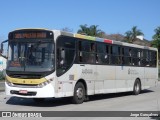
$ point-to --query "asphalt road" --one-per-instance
(148, 100)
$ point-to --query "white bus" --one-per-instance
(51, 63)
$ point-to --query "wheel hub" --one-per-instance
(79, 93)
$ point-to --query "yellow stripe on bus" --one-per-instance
(25, 81)
(85, 37)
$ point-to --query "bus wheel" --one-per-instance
(38, 100)
(137, 87)
(79, 93)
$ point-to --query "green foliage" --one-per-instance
(132, 34)
(91, 31)
(156, 38)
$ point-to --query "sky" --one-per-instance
(111, 16)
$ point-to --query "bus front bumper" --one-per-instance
(44, 92)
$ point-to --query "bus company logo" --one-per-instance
(132, 72)
(6, 114)
(87, 71)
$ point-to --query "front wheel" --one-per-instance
(79, 93)
(137, 87)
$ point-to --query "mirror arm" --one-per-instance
(1, 50)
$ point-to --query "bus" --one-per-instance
(45, 63)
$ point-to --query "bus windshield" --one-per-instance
(31, 56)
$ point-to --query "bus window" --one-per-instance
(65, 54)
(100, 48)
(153, 59)
(115, 57)
(85, 45)
(100, 53)
(92, 47)
(87, 51)
(145, 58)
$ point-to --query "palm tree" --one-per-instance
(91, 31)
(83, 29)
(94, 31)
(157, 31)
(132, 34)
(128, 36)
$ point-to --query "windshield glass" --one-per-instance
(31, 56)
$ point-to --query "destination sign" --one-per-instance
(30, 34)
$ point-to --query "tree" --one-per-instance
(156, 38)
(91, 31)
(132, 34)
(128, 36)
(83, 29)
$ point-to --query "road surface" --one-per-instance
(148, 100)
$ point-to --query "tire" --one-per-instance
(79, 93)
(137, 87)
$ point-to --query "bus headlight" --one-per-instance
(45, 83)
(8, 82)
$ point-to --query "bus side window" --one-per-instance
(92, 47)
(80, 51)
(92, 53)
(100, 53)
(115, 55)
(122, 54)
(153, 59)
(139, 57)
(86, 52)
(62, 55)
(119, 55)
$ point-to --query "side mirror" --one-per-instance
(1, 50)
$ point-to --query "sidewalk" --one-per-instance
(2, 86)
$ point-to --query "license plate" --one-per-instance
(23, 91)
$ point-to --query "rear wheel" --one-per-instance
(137, 87)
(79, 93)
